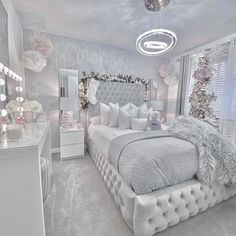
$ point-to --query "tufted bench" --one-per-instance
(154, 212)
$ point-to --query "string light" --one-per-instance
(5, 71)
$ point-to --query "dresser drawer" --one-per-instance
(67, 138)
(72, 150)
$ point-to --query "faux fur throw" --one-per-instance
(217, 156)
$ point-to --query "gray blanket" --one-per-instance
(217, 155)
(152, 160)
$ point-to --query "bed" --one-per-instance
(152, 212)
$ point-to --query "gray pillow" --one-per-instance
(125, 118)
(139, 124)
(114, 114)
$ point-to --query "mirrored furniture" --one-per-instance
(21, 195)
(71, 132)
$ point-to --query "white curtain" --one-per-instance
(228, 105)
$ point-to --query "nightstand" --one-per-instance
(71, 143)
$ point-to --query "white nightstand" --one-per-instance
(71, 143)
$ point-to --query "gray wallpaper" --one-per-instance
(82, 56)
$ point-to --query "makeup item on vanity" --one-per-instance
(14, 132)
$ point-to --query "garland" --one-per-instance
(86, 77)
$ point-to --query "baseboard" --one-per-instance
(55, 150)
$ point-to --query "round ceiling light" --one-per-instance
(155, 42)
(156, 5)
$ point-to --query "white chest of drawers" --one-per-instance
(71, 143)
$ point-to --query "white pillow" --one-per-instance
(114, 114)
(95, 120)
(104, 114)
(125, 118)
(139, 124)
(143, 111)
(134, 107)
(126, 107)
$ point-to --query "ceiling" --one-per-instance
(119, 22)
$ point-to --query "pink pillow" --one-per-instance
(95, 120)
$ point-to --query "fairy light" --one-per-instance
(5, 71)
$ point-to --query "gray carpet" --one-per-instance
(80, 205)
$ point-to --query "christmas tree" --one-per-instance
(202, 95)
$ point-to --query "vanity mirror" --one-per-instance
(69, 98)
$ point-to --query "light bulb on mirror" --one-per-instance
(18, 78)
(3, 97)
(1, 67)
(5, 70)
(4, 113)
(20, 109)
(2, 82)
(19, 99)
(19, 89)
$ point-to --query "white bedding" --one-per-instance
(102, 136)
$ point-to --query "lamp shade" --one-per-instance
(157, 105)
(69, 104)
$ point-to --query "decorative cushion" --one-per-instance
(125, 117)
(114, 114)
(95, 120)
(144, 111)
(105, 114)
(139, 124)
(126, 107)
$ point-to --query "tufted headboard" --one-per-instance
(114, 92)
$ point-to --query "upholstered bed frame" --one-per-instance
(151, 213)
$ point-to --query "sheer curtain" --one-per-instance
(223, 63)
(228, 104)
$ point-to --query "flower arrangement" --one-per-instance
(42, 45)
(36, 59)
(83, 85)
(168, 74)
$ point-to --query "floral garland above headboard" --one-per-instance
(86, 77)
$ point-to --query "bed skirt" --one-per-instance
(154, 212)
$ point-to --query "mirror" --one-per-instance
(69, 98)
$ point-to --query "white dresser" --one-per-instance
(71, 143)
(21, 202)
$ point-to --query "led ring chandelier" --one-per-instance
(147, 43)
(155, 47)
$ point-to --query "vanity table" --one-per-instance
(21, 202)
